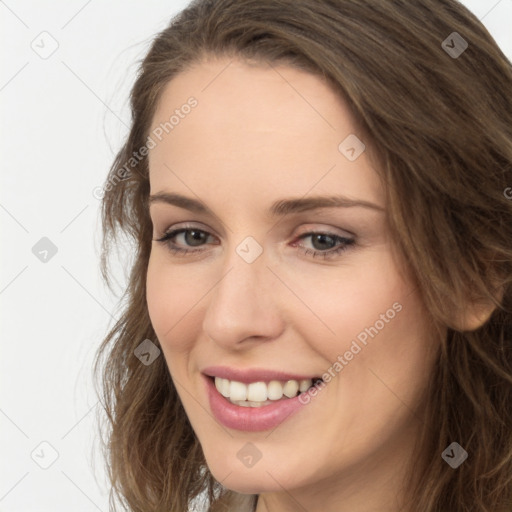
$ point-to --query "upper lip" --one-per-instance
(248, 375)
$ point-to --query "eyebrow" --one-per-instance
(278, 209)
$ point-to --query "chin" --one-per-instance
(250, 483)
(262, 477)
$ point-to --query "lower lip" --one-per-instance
(250, 419)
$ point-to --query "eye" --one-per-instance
(326, 245)
(336, 244)
(193, 236)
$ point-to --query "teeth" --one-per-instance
(247, 403)
(274, 390)
(223, 387)
(292, 386)
(237, 390)
(305, 384)
(257, 394)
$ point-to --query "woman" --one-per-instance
(318, 315)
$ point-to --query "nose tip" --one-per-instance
(243, 304)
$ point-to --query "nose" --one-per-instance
(244, 305)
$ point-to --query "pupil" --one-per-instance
(195, 236)
(322, 239)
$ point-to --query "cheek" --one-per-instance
(373, 318)
(171, 295)
(343, 303)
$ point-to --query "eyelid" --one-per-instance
(162, 217)
(187, 225)
(310, 228)
(323, 228)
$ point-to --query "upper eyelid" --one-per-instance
(310, 227)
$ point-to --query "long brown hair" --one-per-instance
(441, 127)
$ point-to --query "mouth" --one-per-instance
(255, 400)
(261, 393)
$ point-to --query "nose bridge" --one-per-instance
(242, 304)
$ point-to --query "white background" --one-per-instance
(62, 120)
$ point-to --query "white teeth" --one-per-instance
(274, 390)
(291, 387)
(257, 394)
(222, 386)
(237, 390)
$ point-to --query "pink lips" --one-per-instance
(249, 419)
(251, 374)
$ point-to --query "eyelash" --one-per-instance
(346, 242)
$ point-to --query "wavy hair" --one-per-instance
(441, 129)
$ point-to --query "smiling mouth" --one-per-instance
(260, 394)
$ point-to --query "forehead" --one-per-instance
(256, 125)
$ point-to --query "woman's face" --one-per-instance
(279, 284)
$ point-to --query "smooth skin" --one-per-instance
(260, 134)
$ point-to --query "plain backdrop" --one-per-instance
(67, 68)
